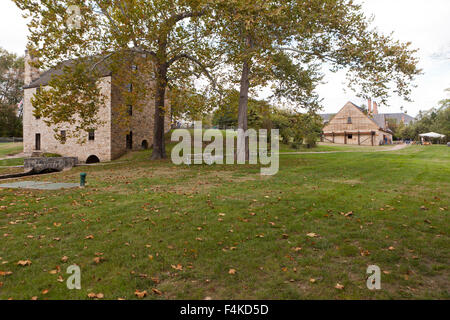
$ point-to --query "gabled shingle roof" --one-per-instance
(45, 77)
(399, 117)
(379, 119)
(327, 116)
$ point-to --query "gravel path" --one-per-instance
(394, 148)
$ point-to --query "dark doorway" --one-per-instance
(38, 141)
(92, 159)
(144, 144)
(130, 140)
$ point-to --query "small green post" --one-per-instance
(82, 179)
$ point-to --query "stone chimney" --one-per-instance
(369, 106)
(31, 72)
(375, 108)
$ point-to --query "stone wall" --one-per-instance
(110, 138)
(41, 164)
(140, 123)
(100, 147)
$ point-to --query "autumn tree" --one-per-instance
(93, 32)
(249, 31)
(285, 42)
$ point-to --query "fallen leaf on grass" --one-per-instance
(177, 267)
(339, 286)
(64, 259)
(232, 271)
(93, 295)
(391, 248)
(5, 273)
(156, 291)
(140, 294)
(89, 237)
(98, 260)
(155, 280)
(24, 263)
(44, 291)
(312, 235)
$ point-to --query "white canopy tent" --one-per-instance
(432, 135)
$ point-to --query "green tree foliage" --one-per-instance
(226, 114)
(435, 120)
(297, 128)
(11, 83)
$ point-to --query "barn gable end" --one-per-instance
(352, 126)
(359, 120)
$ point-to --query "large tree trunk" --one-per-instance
(159, 148)
(243, 106)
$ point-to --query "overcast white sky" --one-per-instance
(426, 23)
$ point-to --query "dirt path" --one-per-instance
(394, 148)
(14, 156)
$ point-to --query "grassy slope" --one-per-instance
(141, 209)
(10, 149)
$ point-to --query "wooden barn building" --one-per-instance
(351, 125)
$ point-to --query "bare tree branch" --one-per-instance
(309, 53)
(196, 61)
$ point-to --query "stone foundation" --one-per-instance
(41, 164)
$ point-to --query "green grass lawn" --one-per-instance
(143, 225)
(7, 149)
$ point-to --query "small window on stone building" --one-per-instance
(349, 120)
(350, 136)
(134, 67)
(91, 135)
(130, 87)
(63, 136)
(130, 110)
